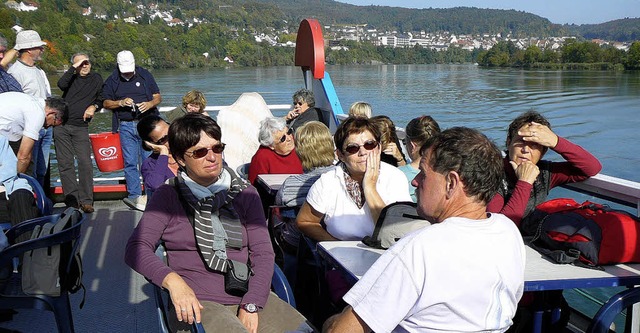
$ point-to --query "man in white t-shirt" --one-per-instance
(464, 273)
(21, 118)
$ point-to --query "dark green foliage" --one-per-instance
(572, 55)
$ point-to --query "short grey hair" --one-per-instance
(79, 54)
(3, 41)
(267, 127)
(304, 95)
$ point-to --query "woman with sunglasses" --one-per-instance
(276, 154)
(160, 165)
(348, 199)
(304, 110)
(209, 220)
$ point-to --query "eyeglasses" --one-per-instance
(202, 152)
(298, 103)
(57, 119)
(284, 137)
(354, 148)
(163, 140)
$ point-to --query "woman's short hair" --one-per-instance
(267, 127)
(362, 109)
(522, 120)
(195, 97)
(354, 125)
(314, 145)
(304, 95)
(185, 131)
(421, 129)
(146, 125)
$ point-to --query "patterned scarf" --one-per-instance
(354, 189)
(216, 223)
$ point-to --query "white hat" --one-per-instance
(28, 39)
(126, 61)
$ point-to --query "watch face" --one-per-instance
(251, 308)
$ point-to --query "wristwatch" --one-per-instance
(250, 307)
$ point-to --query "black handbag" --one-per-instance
(236, 279)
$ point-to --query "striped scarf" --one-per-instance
(216, 223)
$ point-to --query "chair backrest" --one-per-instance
(281, 287)
(64, 236)
(163, 299)
(243, 170)
(42, 201)
(608, 312)
(58, 304)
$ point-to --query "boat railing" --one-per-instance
(220, 107)
(621, 191)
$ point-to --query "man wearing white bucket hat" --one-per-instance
(34, 82)
(131, 93)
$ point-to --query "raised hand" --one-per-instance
(538, 133)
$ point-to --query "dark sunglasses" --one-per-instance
(284, 137)
(298, 103)
(354, 148)
(162, 140)
(202, 152)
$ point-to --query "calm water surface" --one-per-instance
(595, 109)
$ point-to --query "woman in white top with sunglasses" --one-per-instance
(349, 199)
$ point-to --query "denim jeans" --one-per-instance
(133, 156)
(40, 155)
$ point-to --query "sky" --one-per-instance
(557, 11)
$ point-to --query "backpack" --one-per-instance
(586, 234)
(395, 221)
(44, 270)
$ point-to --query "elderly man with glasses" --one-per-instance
(21, 118)
(82, 90)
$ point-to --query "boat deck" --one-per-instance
(118, 299)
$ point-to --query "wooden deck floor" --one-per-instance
(118, 299)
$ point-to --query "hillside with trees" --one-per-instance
(219, 29)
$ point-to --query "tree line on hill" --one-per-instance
(227, 28)
(572, 55)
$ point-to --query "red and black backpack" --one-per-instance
(586, 234)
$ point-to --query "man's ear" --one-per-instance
(453, 183)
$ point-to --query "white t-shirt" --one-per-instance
(20, 114)
(32, 79)
(459, 275)
(344, 220)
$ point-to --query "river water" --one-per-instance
(595, 109)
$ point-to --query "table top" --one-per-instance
(272, 182)
(355, 258)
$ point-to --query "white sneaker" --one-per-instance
(138, 203)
